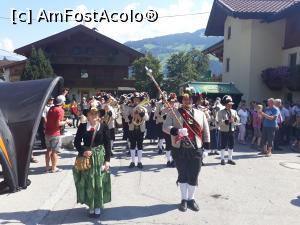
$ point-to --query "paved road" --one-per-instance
(257, 191)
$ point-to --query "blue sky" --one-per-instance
(14, 36)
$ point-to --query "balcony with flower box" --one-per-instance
(276, 78)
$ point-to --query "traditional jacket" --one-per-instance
(205, 110)
(144, 119)
(126, 109)
(222, 118)
(159, 112)
(85, 134)
(123, 107)
(199, 117)
(111, 123)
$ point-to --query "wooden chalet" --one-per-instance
(87, 60)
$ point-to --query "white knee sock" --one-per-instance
(97, 211)
(169, 157)
(222, 154)
(230, 152)
(205, 153)
(132, 153)
(184, 191)
(140, 155)
(111, 144)
(191, 192)
(160, 143)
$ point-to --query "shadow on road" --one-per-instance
(296, 202)
(41, 170)
(79, 215)
(117, 171)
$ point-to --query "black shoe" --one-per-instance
(211, 153)
(140, 165)
(216, 153)
(173, 164)
(231, 162)
(168, 164)
(223, 162)
(160, 151)
(97, 216)
(191, 204)
(202, 164)
(132, 165)
(183, 206)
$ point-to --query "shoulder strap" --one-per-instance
(94, 135)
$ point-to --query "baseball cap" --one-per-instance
(60, 100)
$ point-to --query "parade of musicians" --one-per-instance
(93, 131)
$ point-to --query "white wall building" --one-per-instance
(257, 36)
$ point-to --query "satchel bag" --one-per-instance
(83, 163)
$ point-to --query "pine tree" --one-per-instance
(38, 66)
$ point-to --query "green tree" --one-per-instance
(143, 82)
(185, 66)
(201, 63)
(37, 66)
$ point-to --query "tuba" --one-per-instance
(112, 102)
(136, 118)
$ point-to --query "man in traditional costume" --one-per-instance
(159, 116)
(189, 132)
(227, 120)
(109, 117)
(137, 126)
(172, 99)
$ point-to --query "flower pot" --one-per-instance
(293, 83)
(274, 84)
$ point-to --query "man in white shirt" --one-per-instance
(41, 129)
(277, 140)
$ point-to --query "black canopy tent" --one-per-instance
(21, 107)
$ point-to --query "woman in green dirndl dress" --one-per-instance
(93, 186)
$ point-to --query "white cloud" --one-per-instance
(134, 31)
(7, 44)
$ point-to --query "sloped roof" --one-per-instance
(244, 9)
(9, 64)
(3, 63)
(76, 29)
(258, 6)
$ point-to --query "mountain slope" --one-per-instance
(163, 46)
